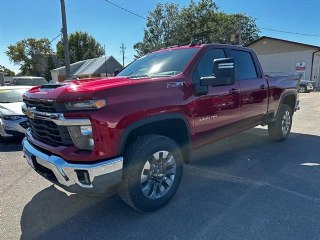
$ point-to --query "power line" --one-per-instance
(295, 33)
(268, 29)
(124, 9)
(55, 38)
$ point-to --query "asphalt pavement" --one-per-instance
(243, 187)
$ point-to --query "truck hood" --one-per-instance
(11, 108)
(79, 89)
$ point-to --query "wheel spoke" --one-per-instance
(169, 161)
(146, 186)
(171, 171)
(153, 191)
(167, 183)
(162, 190)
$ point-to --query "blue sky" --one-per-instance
(111, 26)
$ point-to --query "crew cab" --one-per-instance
(131, 134)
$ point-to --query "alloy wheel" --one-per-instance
(158, 175)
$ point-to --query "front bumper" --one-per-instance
(99, 178)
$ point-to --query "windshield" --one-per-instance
(160, 64)
(11, 95)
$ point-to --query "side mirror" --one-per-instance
(223, 73)
(116, 72)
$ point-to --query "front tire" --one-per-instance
(153, 167)
(280, 129)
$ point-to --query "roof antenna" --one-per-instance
(199, 42)
(193, 43)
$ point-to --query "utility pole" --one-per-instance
(122, 50)
(65, 39)
(105, 59)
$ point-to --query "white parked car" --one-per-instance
(28, 81)
(13, 123)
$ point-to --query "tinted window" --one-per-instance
(160, 64)
(205, 66)
(245, 68)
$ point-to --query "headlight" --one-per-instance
(86, 105)
(82, 137)
(11, 117)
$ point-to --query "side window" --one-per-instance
(206, 63)
(245, 67)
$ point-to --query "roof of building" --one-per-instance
(86, 67)
(90, 66)
(282, 40)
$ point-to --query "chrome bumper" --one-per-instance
(101, 178)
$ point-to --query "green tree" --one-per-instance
(82, 46)
(50, 65)
(31, 55)
(7, 71)
(200, 20)
(161, 29)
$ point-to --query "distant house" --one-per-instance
(96, 67)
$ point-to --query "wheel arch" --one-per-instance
(172, 125)
(289, 98)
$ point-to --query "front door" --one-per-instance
(219, 107)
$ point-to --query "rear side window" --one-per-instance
(205, 65)
(245, 68)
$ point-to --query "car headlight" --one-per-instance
(11, 117)
(86, 105)
(82, 137)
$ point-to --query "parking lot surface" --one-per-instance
(243, 187)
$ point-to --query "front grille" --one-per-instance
(50, 133)
(24, 124)
(41, 105)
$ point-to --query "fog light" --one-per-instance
(82, 137)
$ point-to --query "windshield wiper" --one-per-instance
(6, 102)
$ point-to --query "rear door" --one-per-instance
(253, 86)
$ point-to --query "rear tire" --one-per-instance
(153, 167)
(280, 129)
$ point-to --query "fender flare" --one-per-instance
(157, 118)
(283, 96)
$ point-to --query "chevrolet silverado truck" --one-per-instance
(131, 134)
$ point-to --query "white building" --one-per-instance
(96, 67)
(279, 57)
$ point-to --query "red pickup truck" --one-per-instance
(131, 134)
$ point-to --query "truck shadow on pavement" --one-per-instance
(221, 177)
